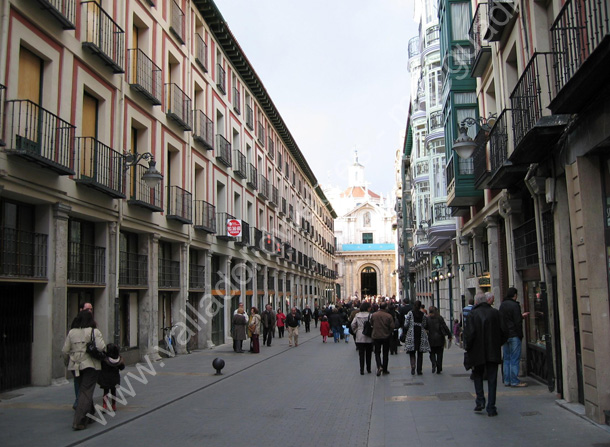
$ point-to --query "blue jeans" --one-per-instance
(512, 357)
(337, 334)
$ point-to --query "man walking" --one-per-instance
(383, 325)
(307, 316)
(268, 318)
(484, 337)
(512, 324)
(292, 322)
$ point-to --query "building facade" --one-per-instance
(132, 133)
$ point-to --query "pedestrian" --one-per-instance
(512, 324)
(268, 319)
(383, 325)
(465, 311)
(457, 331)
(292, 321)
(416, 337)
(75, 324)
(324, 328)
(364, 343)
(254, 330)
(307, 316)
(239, 330)
(83, 365)
(345, 333)
(437, 331)
(335, 321)
(316, 315)
(110, 375)
(280, 319)
(483, 338)
(394, 337)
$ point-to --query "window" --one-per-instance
(367, 238)
(460, 20)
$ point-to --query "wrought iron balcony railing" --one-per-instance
(481, 47)
(205, 216)
(201, 52)
(100, 167)
(479, 159)
(176, 26)
(86, 264)
(236, 100)
(133, 269)
(290, 212)
(140, 194)
(203, 130)
(196, 277)
(223, 151)
(261, 134)
(144, 76)
(178, 106)
(103, 36)
(256, 239)
(240, 168)
(263, 187)
(252, 181)
(249, 117)
(63, 10)
(221, 226)
(179, 205)
(169, 274)
(498, 141)
(39, 136)
(275, 197)
(283, 208)
(244, 239)
(221, 79)
(548, 237)
(268, 243)
(270, 148)
(23, 254)
(526, 245)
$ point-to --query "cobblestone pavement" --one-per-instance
(309, 395)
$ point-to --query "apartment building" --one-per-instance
(132, 134)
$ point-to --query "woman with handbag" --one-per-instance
(81, 361)
(437, 331)
(416, 340)
(364, 343)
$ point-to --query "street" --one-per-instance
(309, 395)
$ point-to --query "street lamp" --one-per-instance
(151, 176)
(464, 145)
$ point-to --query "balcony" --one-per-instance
(179, 205)
(240, 169)
(263, 187)
(435, 122)
(275, 197)
(535, 131)
(277, 247)
(261, 134)
(144, 76)
(169, 274)
(203, 131)
(504, 173)
(133, 270)
(249, 117)
(252, 181)
(86, 264)
(413, 47)
(176, 26)
(581, 45)
(205, 216)
(290, 213)
(201, 53)
(223, 151)
(178, 106)
(268, 246)
(23, 254)
(282, 211)
(461, 192)
(501, 17)
(38, 135)
(221, 226)
(196, 277)
(482, 49)
(244, 239)
(270, 148)
(479, 159)
(221, 79)
(100, 167)
(63, 10)
(236, 100)
(103, 36)
(139, 192)
(256, 239)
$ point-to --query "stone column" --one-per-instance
(494, 250)
(227, 298)
(507, 208)
(179, 302)
(148, 329)
(205, 334)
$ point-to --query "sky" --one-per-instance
(336, 71)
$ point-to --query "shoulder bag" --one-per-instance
(368, 327)
(92, 348)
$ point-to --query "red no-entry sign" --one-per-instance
(234, 227)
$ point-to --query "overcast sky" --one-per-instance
(337, 72)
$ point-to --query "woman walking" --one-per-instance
(280, 319)
(416, 324)
(364, 343)
(83, 365)
(437, 331)
(254, 330)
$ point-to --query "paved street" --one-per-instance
(310, 395)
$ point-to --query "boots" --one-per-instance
(105, 401)
(412, 359)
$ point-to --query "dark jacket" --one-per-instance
(293, 320)
(307, 315)
(437, 329)
(268, 319)
(484, 336)
(335, 320)
(383, 324)
(109, 377)
(512, 318)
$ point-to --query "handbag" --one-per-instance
(92, 348)
(368, 327)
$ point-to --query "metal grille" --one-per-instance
(103, 36)
(178, 106)
(548, 237)
(196, 276)
(22, 253)
(141, 194)
(203, 130)
(526, 247)
(223, 150)
(177, 21)
(180, 205)
(201, 52)
(169, 273)
(133, 269)
(86, 264)
(100, 167)
(144, 76)
(205, 216)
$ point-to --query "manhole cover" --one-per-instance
(530, 413)
(454, 396)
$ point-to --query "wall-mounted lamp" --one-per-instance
(464, 145)
(151, 176)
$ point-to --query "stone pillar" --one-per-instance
(179, 302)
(148, 330)
(477, 247)
(113, 320)
(507, 208)
(491, 222)
(205, 334)
(227, 298)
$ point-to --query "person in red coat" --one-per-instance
(324, 329)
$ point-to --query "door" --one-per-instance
(28, 115)
(368, 281)
(89, 130)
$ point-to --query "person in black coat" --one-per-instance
(110, 376)
(484, 338)
(437, 331)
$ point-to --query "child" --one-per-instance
(346, 333)
(109, 376)
(324, 328)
